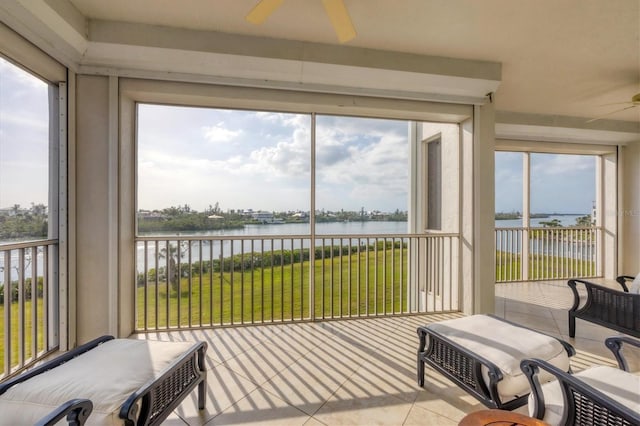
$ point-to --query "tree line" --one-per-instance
(23, 223)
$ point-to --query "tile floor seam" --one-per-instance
(259, 388)
(321, 405)
(426, 409)
(332, 394)
(267, 378)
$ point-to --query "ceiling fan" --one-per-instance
(635, 101)
(335, 9)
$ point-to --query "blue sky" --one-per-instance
(261, 160)
(24, 138)
(559, 183)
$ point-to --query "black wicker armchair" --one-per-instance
(597, 396)
(482, 353)
(616, 309)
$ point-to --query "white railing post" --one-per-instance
(526, 213)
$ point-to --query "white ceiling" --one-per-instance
(558, 57)
(564, 57)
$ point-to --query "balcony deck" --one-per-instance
(359, 371)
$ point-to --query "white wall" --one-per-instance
(447, 279)
(450, 152)
(630, 211)
(92, 209)
(483, 298)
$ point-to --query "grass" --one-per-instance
(509, 267)
(360, 283)
(28, 330)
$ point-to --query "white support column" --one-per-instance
(526, 213)
(312, 221)
(56, 299)
(467, 215)
(63, 239)
(414, 213)
(608, 212)
(112, 262)
(484, 209)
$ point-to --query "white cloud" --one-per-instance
(20, 77)
(268, 164)
(25, 121)
(372, 173)
(220, 134)
(546, 164)
(286, 158)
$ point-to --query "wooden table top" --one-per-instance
(496, 417)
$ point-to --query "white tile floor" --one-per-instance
(359, 372)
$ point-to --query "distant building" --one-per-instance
(151, 216)
(263, 217)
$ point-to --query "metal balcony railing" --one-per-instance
(195, 282)
(28, 323)
(529, 254)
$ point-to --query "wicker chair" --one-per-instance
(482, 353)
(597, 396)
(116, 381)
(612, 308)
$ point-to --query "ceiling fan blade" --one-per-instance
(262, 10)
(340, 19)
(611, 113)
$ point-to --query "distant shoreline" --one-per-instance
(512, 216)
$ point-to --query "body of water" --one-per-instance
(565, 220)
(325, 228)
(276, 230)
(269, 237)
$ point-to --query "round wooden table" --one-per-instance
(496, 417)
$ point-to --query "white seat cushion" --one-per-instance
(618, 384)
(635, 285)
(107, 375)
(505, 345)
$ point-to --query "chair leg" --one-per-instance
(202, 394)
(572, 325)
(420, 372)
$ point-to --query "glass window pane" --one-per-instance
(508, 189)
(562, 189)
(24, 154)
(207, 170)
(361, 175)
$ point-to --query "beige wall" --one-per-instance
(449, 135)
(630, 214)
(483, 298)
(92, 207)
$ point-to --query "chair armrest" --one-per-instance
(622, 280)
(76, 411)
(589, 285)
(155, 400)
(616, 343)
(573, 284)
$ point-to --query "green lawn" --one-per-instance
(345, 285)
(508, 267)
(28, 331)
